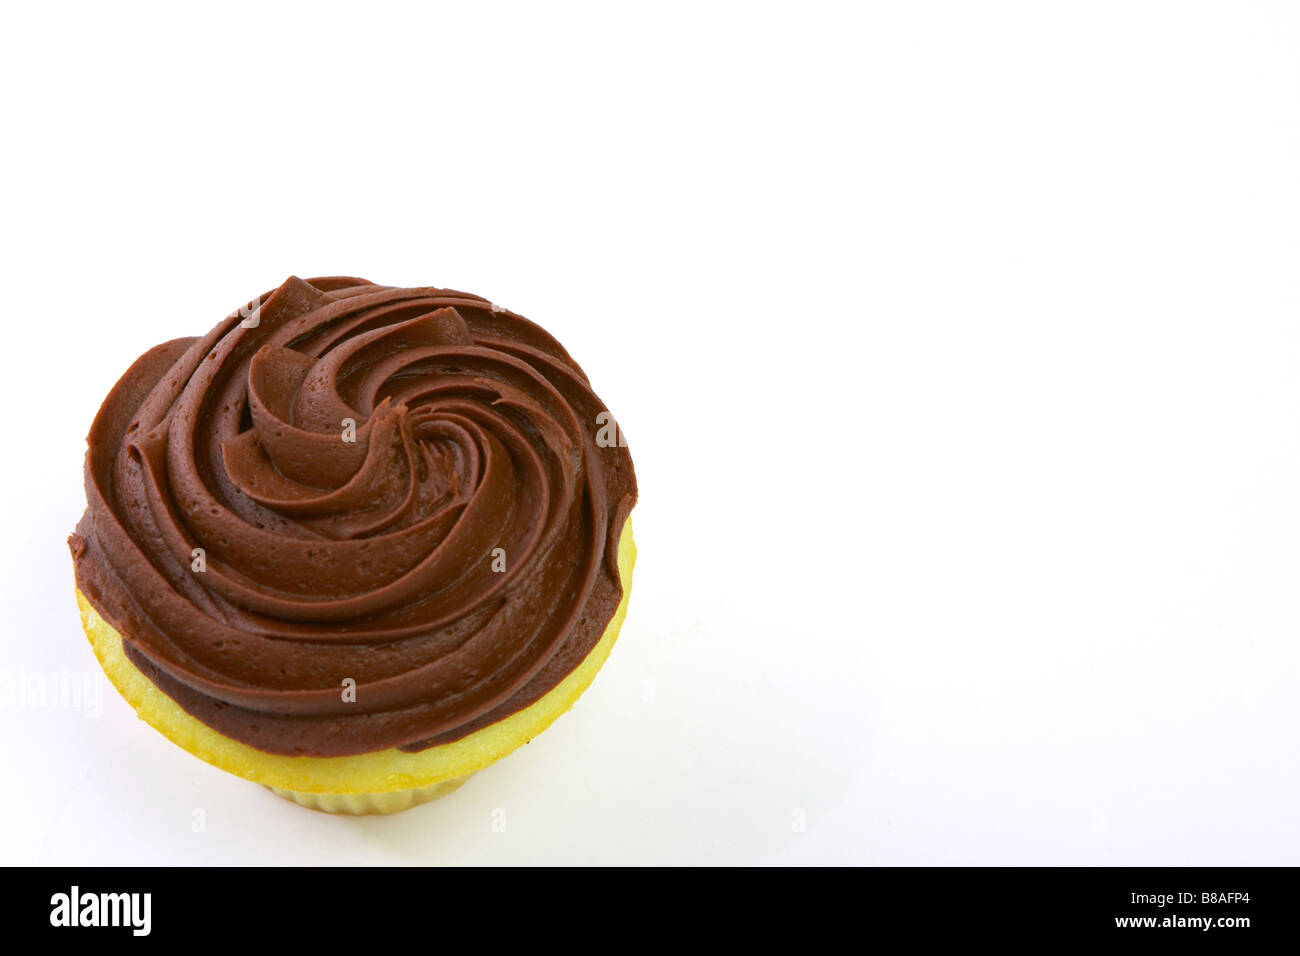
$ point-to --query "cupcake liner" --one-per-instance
(363, 804)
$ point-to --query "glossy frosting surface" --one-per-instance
(410, 490)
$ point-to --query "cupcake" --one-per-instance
(357, 542)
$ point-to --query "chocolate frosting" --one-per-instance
(453, 551)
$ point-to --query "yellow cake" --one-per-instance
(383, 782)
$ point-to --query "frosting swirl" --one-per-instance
(410, 489)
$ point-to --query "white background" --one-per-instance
(957, 347)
